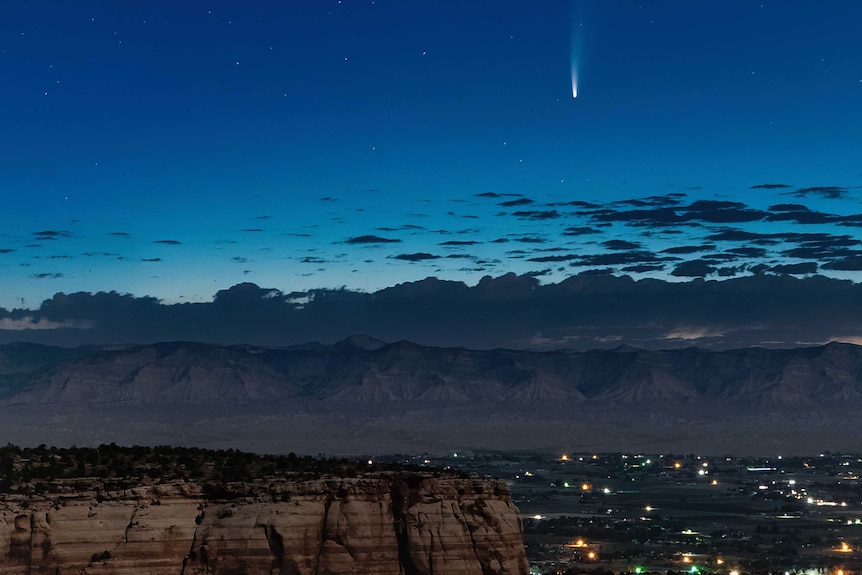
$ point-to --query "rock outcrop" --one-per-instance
(387, 524)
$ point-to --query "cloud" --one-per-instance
(720, 258)
(574, 203)
(694, 333)
(580, 231)
(735, 235)
(42, 276)
(561, 258)
(52, 234)
(748, 252)
(168, 242)
(653, 201)
(693, 269)
(621, 245)
(720, 212)
(850, 263)
(29, 323)
(371, 240)
(659, 211)
(529, 240)
(787, 208)
(620, 258)
(796, 269)
(415, 257)
(459, 243)
(597, 272)
(643, 268)
(821, 246)
(401, 228)
(828, 192)
(650, 217)
(681, 250)
(537, 215)
(802, 216)
(729, 271)
(518, 202)
(506, 311)
(769, 186)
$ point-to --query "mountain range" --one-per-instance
(403, 395)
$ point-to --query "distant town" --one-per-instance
(644, 513)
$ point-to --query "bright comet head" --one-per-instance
(574, 83)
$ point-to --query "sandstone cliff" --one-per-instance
(386, 524)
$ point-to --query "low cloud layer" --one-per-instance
(585, 311)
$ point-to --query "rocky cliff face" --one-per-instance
(407, 525)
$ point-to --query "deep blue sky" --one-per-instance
(174, 148)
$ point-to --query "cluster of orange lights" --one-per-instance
(845, 548)
(580, 544)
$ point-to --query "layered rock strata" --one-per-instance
(406, 525)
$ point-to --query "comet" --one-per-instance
(574, 82)
(575, 55)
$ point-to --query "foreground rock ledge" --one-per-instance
(388, 524)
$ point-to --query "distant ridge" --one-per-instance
(360, 341)
(365, 370)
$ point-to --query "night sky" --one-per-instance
(175, 149)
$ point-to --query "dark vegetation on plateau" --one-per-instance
(43, 470)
